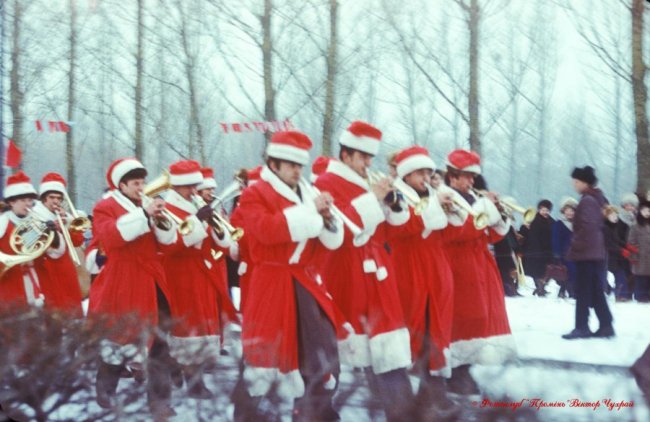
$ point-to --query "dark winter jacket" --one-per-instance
(588, 235)
(562, 235)
(640, 238)
(538, 246)
(615, 241)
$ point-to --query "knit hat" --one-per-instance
(568, 202)
(361, 136)
(209, 181)
(52, 182)
(290, 146)
(464, 160)
(630, 198)
(413, 158)
(585, 174)
(119, 168)
(185, 173)
(19, 184)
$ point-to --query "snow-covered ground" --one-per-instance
(549, 369)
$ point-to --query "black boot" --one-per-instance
(196, 388)
(246, 406)
(462, 383)
(108, 376)
(578, 333)
(432, 401)
(396, 395)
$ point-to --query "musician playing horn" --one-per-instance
(425, 281)
(480, 331)
(132, 282)
(61, 283)
(197, 290)
(22, 283)
(290, 323)
(360, 275)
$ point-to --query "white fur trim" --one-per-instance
(4, 222)
(198, 233)
(288, 153)
(123, 168)
(382, 273)
(280, 187)
(354, 350)
(445, 371)
(120, 354)
(303, 222)
(194, 350)
(343, 171)
(332, 239)
(165, 237)
(474, 168)
(243, 267)
(18, 189)
(433, 216)
(30, 277)
(51, 187)
(56, 253)
(260, 380)
(133, 225)
(225, 241)
(484, 205)
(186, 179)
(397, 218)
(485, 351)
(390, 350)
(369, 266)
(502, 227)
(362, 143)
(233, 251)
(415, 162)
(91, 263)
(207, 183)
(368, 207)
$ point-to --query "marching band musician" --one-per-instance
(360, 275)
(480, 331)
(425, 280)
(132, 282)
(21, 284)
(196, 288)
(290, 325)
(61, 283)
(206, 189)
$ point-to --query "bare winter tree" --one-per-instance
(72, 102)
(330, 84)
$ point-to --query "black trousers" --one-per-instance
(590, 278)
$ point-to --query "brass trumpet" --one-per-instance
(354, 229)
(219, 222)
(164, 222)
(418, 204)
(481, 219)
(507, 206)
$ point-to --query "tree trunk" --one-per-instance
(640, 94)
(139, 65)
(330, 84)
(473, 97)
(69, 137)
(267, 62)
(17, 95)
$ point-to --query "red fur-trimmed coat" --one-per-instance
(361, 277)
(283, 233)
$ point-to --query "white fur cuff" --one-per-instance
(390, 350)
(368, 207)
(133, 224)
(304, 223)
(198, 233)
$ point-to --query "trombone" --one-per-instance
(509, 207)
(68, 240)
(78, 222)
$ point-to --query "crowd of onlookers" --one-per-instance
(543, 244)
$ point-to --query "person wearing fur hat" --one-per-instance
(22, 284)
(615, 240)
(361, 276)
(588, 251)
(629, 205)
(61, 285)
(200, 301)
(480, 331)
(562, 234)
(639, 244)
(537, 246)
(132, 282)
(291, 324)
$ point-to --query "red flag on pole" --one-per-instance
(39, 126)
(13, 154)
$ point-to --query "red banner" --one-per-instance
(261, 127)
(52, 126)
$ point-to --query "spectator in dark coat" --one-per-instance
(615, 241)
(538, 247)
(590, 255)
(561, 238)
(639, 241)
(504, 251)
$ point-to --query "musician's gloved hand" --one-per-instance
(100, 260)
(204, 213)
(50, 226)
